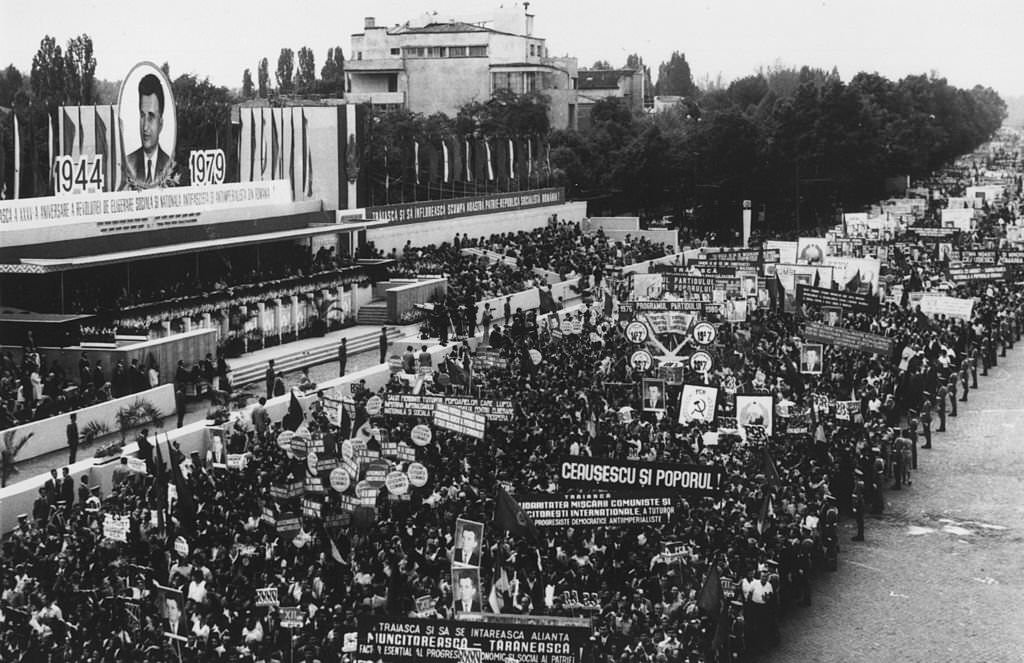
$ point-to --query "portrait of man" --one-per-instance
(654, 395)
(173, 619)
(468, 538)
(833, 316)
(466, 590)
(810, 358)
(148, 127)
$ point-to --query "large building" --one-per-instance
(597, 84)
(431, 65)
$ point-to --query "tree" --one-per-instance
(263, 75)
(305, 78)
(48, 75)
(11, 82)
(203, 116)
(601, 64)
(635, 62)
(285, 67)
(80, 68)
(332, 74)
(248, 88)
(674, 77)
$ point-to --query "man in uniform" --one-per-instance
(342, 358)
(941, 394)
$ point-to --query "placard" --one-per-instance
(115, 527)
(291, 616)
(967, 273)
(422, 405)
(266, 597)
(595, 510)
(421, 435)
(848, 301)
(755, 410)
(397, 483)
(418, 474)
(951, 307)
(536, 640)
(459, 421)
(847, 338)
(639, 477)
(697, 403)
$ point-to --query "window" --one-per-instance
(359, 55)
(392, 82)
(456, 51)
(530, 81)
(435, 51)
(533, 50)
(413, 51)
(477, 51)
(500, 81)
(396, 51)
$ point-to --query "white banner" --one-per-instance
(951, 307)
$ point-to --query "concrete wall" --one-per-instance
(386, 238)
(402, 298)
(17, 498)
(608, 223)
(49, 435)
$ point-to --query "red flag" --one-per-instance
(767, 511)
(68, 135)
(101, 147)
(510, 517)
(711, 599)
(770, 470)
(252, 144)
(273, 146)
(263, 144)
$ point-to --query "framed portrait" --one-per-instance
(466, 591)
(170, 605)
(148, 127)
(754, 410)
(832, 316)
(469, 540)
(811, 358)
(653, 395)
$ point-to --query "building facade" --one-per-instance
(433, 66)
(596, 84)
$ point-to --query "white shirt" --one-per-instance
(759, 592)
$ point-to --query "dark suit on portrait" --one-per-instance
(136, 164)
(474, 559)
(474, 606)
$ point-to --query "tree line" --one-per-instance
(296, 75)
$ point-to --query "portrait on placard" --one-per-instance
(170, 605)
(148, 128)
(697, 403)
(811, 358)
(748, 284)
(466, 590)
(469, 536)
(832, 315)
(754, 410)
(654, 395)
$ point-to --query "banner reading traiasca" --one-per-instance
(419, 641)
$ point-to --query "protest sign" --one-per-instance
(291, 616)
(951, 307)
(536, 640)
(421, 435)
(266, 596)
(137, 465)
(847, 338)
(974, 256)
(691, 288)
(697, 403)
(288, 524)
(397, 483)
(418, 474)
(237, 461)
(674, 551)
(639, 477)
(598, 510)
(489, 359)
(811, 250)
(115, 527)
(340, 479)
(422, 405)
(312, 507)
(754, 410)
(459, 421)
(967, 273)
(848, 301)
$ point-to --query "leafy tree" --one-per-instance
(285, 67)
(263, 75)
(634, 61)
(203, 116)
(674, 77)
(332, 74)
(601, 64)
(506, 113)
(80, 68)
(11, 81)
(248, 87)
(305, 78)
(48, 75)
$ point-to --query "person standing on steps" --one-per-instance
(270, 377)
(342, 358)
(383, 342)
(72, 437)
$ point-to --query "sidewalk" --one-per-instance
(196, 410)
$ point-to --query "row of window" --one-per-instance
(522, 82)
(441, 51)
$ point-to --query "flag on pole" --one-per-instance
(770, 470)
(529, 156)
(291, 157)
(711, 599)
(294, 417)
(273, 146)
(263, 143)
(252, 144)
(302, 123)
(100, 130)
(387, 178)
(81, 133)
(280, 152)
(767, 511)
(115, 160)
(17, 158)
(49, 149)
(510, 517)
(68, 133)
(309, 157)
(490, 161)
(444, 165)
(416, 159)
(469, 163)
(511, 159)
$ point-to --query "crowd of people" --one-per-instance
(69, 593)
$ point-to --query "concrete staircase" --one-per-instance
(254, 370)
(374, 313)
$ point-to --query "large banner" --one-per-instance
(639, 478)
(421, 641)
(690, 288)
(459, 420)
(848, 301)
(965, 273)
(974, 256)
(755, 410)
(855, 274)
(411, 405)
(951, 307)
(598, 510)
(847, 338)
(456, 207)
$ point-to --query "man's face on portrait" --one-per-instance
(151, 122)
(467, 590)
(469, 542)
